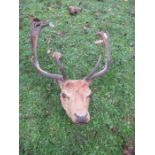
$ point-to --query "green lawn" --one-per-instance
(45, 129)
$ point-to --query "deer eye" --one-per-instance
(64, 96)
(89, 96)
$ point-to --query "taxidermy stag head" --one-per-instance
(75, 94)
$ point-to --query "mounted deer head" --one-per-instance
(75, 94)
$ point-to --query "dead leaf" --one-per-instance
(129, 149)
(73, 10)
(62, 33)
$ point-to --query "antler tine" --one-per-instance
(101, 73)
(57, 57)
(94, 69)
(36, 28)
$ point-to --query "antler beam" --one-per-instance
(94, 73)
(36, 28)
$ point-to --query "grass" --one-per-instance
(44, 127)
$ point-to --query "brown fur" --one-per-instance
(75, 97)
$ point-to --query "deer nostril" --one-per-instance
(81, 119)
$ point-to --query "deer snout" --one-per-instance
(82, 118)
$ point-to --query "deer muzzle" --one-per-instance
(82, 119)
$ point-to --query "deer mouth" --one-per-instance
(81, 123)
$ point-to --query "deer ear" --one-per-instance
(60, 83)
(89, 82)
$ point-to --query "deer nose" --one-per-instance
(81, 118)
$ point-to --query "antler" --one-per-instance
(36, 28)
(57, 56)
(101, 73)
